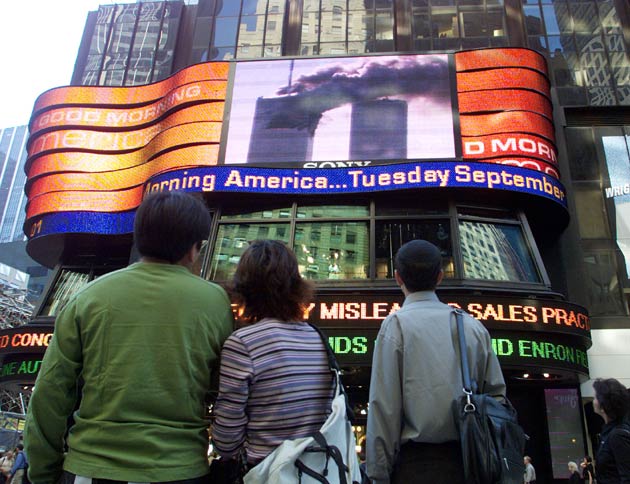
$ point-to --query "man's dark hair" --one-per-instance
(168, 224)
(613, 397)
(19, 447)
(268, 284)
(419, 263)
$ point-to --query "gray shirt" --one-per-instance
(530, 473)
(416, 375)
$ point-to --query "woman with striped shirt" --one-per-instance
(275, 380)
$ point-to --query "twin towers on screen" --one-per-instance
(378, 131)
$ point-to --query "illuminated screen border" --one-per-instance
(229, 107)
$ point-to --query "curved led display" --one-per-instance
(94, 151)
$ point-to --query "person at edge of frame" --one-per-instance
(612, 403)
(145, 341)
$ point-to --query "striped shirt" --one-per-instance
(275, 385)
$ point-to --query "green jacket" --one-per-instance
(143, 341)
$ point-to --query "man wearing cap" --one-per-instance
(416, 375)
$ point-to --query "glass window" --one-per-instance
(233, 239)
(496, 252)
(391, 235)
(574, 29)
(228, 8)
(589, 204)
(473, 24)
(333, 242)
(121, 38)
(605, 297)
(253, 7)
(347, 27)
(533, 20)
(557, 18)
(582, 155)
(444, 24)
(99, 39)
(273, 33)
(585, 17)
(339, 250)
(271, 213)
(608, 16)
(333, 211)
(225, 31)
(112, 78)
(67, 284)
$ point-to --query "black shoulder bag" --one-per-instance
(492, 441)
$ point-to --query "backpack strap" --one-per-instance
(334, 367)
(332, 452)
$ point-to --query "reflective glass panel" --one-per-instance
(67, 284)
(608, 16)
(582, 155)
(444, 24)
(589, 204)
(533, 20)
(333, 211)
(99, 39)
(557, 18)
(269, 214)
(126, 13)
(333, 26)
(473, 24)
(253, 7)
(359, 26)
(332, 250)
(225, 31)
(251, 30)
(273, 32)
(384, 25)
(496, 252)
(585, 17)
(228, 7)
(105, 13)
(391, 235)
(233, 239)
(604, 290)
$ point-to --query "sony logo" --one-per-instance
(335, 164)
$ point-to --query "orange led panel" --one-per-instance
(92, 116)
(520, 121)
(504, 100)
(509, 144)
(509, 78)
(106, 141)
(129, 96)
(474, 60)
(89, 201)
(204, 155)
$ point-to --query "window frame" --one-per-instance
(451, 213)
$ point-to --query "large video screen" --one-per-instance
(314, 112)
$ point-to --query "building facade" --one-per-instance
(13, 155)
(497, 129)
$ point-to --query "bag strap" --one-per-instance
(470, 386)
(334, 367)
(332, 452)
(463, 351)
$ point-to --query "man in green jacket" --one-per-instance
(133, 352)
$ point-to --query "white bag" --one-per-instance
(328, 457)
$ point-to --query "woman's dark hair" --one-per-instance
(588, 459)
(419, 263)
(268, 284)
(168, 224)
(613, 397)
